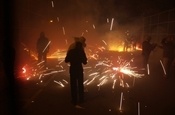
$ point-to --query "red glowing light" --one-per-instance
(24, 70)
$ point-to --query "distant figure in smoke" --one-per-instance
(126, 45)
(76, 57)
(134, 43)
(147, 47)
(42, 47)
(168, 54)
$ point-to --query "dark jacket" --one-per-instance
(168, 49)
(42, 42)
(76, 57)
(147, 47)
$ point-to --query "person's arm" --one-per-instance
(84, 58)
(67, 58)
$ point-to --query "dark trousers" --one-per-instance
(77, 87)
(145, 61)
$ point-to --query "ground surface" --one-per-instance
(151, 95)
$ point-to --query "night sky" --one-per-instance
(81, 17)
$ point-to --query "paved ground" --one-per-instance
(149, 95)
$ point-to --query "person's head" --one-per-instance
(83, 40)
(42, 34)
(76, 39)
(78, 45)
(80, 39)
(148, 38)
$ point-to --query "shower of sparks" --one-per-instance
(104, 70)
(128, 71)
(163, 67)
(52, 4)
(112, 21)
(47, 46)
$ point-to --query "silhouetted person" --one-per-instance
(134, 43)
(147, 47)
(126, 45)
(42, 47)
(168, 54)
(76, 57)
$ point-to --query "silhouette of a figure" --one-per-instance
(76, 57)
(126, 45)
(147, 47)
(42, 47)
(134, 43)
(168, 54)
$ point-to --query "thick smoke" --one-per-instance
(90, 18)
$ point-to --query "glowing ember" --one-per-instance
(24, 70)
(52, 3)
(64, 33)
(112, 21)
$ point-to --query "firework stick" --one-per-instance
(163, 67)
(138, 108)
(52, 4)
(121, 98)
(63, 31)
(148, 70)
(112, 23)
(46, 46)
